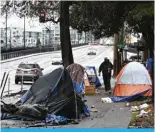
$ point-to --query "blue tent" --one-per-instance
(98, 83)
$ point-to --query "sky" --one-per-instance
(30, 24)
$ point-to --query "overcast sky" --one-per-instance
(15, 21)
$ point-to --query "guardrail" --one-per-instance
(5, 56)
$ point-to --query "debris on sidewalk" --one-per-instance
(127, 104)
(121, 108)
(142, 115)
(134, 108)
(93, 109)
(106, 100)
(143, 106)
(97, 92)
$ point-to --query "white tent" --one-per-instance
(135, 73)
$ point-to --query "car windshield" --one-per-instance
(26, 66)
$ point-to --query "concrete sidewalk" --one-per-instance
(108, 115)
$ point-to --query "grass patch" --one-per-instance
(142, 122)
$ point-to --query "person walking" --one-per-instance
(106, 68)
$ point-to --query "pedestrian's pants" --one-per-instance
(106, 80)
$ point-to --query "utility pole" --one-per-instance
(6, 29)
(24, 31)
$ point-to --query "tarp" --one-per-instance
(128, 98)
(76, 72)
(55, 93)
(97, 82)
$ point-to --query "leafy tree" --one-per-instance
(141, 19)
(102, 18)
(33, 9)
(105, 19)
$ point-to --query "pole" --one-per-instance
(24, 31)
(22, 84)
(44, 37)
(32, 79)
(78, 38)
(4, 85)
(74, 37)
(9, 86)
(3, 79)
(10, 38)
(91, 38)
(138, 52)
(49, 38)
(6, 28)
(85, 37)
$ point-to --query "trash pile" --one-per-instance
(142, 115)
(106, 100)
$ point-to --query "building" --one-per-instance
(47, 35)
(31, 37)
(14, 37)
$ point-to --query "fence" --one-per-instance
(5, 56)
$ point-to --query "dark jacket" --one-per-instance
(104, 67)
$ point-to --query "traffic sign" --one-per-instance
(120, 46)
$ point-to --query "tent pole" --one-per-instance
(76, 106)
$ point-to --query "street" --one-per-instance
(45, 60)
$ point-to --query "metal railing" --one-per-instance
(5, 56)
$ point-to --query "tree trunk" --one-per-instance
(149, 39)
(115, 55)
(66, 48)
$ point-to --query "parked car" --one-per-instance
(28, 72)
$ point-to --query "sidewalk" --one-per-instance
(108, 115)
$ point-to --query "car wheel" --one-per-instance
(16, 81)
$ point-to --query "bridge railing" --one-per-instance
(5, 56)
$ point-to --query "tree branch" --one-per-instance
(54, 21)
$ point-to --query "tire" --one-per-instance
(16, 81)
